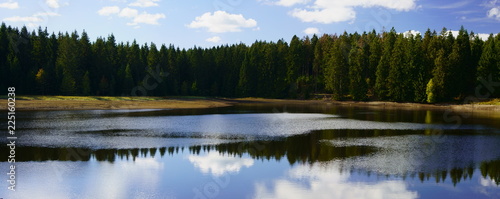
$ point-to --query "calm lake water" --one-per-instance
(255, 151)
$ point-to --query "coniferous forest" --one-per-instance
(389, 66)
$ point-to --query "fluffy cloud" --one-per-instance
(311, 31)
(218, 164)
(9, 5)
(453, 5)
(46, 14)
(326, 16)
(411, 32)
(53, 3)
(23, 19)
(144, 3)
(290, 2)
(109, 10)
(144, 17)
(483, 36)
(326, 11)
(494, 13)
(214, 39)
(221, 21)
(318, 181)
(128, 12)
(34, 20)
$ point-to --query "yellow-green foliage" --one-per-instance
(490, 102)
(88, 98)
(431, 96)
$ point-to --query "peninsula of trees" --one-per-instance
(386, 66)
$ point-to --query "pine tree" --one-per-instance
(419, 70)
(67, 64)
(337, 69)
(104, 86)
(86, 84)
(42, 81)
(374, 58)
(462, 73)
(398, 80)
(489, 59)
(381, 87)
(68, 84)
(295, 59)
(439, 79)
(357, 64)
(320, 61)
(247, 84)
(4, 51)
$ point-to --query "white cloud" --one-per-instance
(411, 32)
(23, 19)
(494, 13)
(311, 31)
(128, 12)
(53, 3)
(146, 18)
(326, 11)
(109, 10)
(9, 5)
(144, 3)
(218, 164)
(214, 39)
(483, 36)
(289, 3)
(326, 16)
(31, 25)
(34, 20)
(47, 14)
(317, 181)
(221, 21)
(454, 5)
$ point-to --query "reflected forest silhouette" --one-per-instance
(303, 149)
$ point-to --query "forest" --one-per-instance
(388, 66)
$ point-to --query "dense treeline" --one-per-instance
(369, 66)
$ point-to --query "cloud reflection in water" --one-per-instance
(317, 181)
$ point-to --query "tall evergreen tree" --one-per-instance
(337, 69)
(381, 87)
(357, 64)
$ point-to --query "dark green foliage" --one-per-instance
(369, 66)
(337, 67)
(489, 61)
(382, 73)
(357, 66)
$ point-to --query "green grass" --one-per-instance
(99, 98)
(85, 98)
(490, 102)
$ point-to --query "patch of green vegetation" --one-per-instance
(84, 98)
(490, 102)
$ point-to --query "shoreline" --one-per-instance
(110, 103)
(60, 105)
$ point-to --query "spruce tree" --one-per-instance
(381, 87)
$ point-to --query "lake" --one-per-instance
(255, 151)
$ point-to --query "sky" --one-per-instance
(207, 23)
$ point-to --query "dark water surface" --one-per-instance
(255, 151)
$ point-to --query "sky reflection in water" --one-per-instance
(309, 154)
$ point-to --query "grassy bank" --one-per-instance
(106, 102)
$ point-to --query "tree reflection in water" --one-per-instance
(310, 148)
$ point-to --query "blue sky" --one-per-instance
(206, 23)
